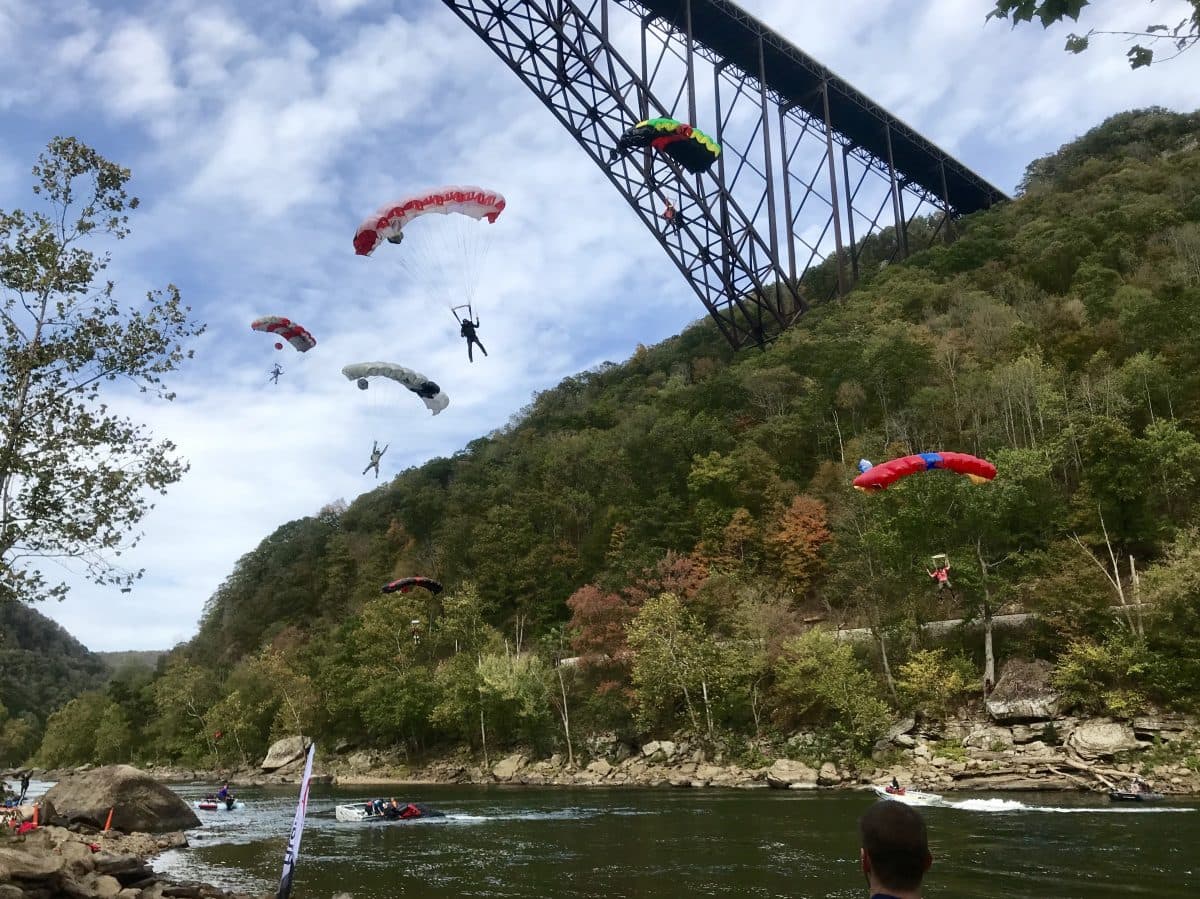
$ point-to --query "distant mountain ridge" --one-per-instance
(41, 665)
(136, 658)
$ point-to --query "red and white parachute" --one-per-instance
(443, 241)
(287, 329)
(389, 221)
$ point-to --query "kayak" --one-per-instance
(1127, 796)
(908, 797)
(358, 813)
(213, 805)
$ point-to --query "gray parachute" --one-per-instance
(429, 392)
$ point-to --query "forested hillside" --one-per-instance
(678, 523)
(41, 667)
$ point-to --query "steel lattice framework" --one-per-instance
(810, 167)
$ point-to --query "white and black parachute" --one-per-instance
(429, 392)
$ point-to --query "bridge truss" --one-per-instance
(810, 167)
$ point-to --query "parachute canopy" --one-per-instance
(293, 333)
(407, 583)
(879, 477)
(690, 147)
(429, 392)
(389, 221)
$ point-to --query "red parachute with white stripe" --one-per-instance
(442, 235)
(295, 334)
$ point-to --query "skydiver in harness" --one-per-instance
(275, 373)
(941, 574)
(673, 216)
(466, 328)
(376, 455)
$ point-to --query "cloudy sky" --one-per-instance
(260, 134)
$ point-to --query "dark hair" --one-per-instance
(893, 835)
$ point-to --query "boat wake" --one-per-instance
(934, 800)
(1011, 805)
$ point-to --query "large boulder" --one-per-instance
(139, 803)
(786, 774)
(284, 752)
(507, 767)
(1025, 692)
(1102, 738)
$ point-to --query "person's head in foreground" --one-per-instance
(895, 851)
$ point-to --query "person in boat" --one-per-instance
(223, 793)
(896, 785)
(894, 850)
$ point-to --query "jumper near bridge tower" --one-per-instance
(809, 166)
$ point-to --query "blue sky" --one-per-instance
(260, 134)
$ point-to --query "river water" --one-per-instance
(606, 843)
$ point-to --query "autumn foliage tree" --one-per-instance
(796, 542)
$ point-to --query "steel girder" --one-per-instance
(789, 190)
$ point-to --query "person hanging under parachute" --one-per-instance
(941, 573)
(673, 216)
(687, 145)
(274, 374)
(376, 455)
(466, 328)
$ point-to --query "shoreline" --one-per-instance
(959, 756)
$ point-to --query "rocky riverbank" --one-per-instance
(1020, 740)
(1064, 753)
(54, 862)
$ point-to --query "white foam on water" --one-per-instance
(1011, 805)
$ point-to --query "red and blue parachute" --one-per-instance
(880, 477)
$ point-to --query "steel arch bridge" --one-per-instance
(809, 168)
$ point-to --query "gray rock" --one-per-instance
(787, 774)
(601, 768)
(1024, 692)
(284, 752)
(828, 775)
(138, 802)
(1102, 738)
(659, 751)
(508, 766)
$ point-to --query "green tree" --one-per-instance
(114, 737)
(74, 476)
(819, 681)
(1176, 36)
(71, 731)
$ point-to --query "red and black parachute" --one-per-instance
(879, 477)
(407, 583)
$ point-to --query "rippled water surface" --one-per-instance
(533, 842)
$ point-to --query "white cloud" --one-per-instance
(134, 70)
(259, 135)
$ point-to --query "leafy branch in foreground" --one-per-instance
(1180, 37)
(73, 473)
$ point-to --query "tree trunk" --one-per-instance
(989, 655)
(887, 668)
(707, 709)
(566, 716)
(483, 737)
